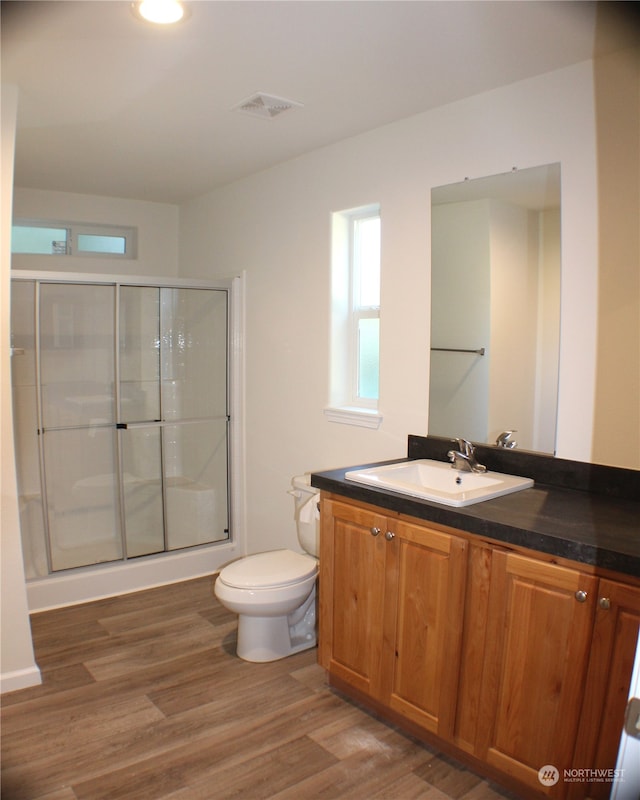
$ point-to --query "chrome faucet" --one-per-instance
(505, 440)
(464, 457)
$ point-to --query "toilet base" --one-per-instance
(262, 639)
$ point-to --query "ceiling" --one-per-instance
(109, 105)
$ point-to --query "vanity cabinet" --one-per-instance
(502, 657)
(391, 607)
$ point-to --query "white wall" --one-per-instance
(157, 225)
(276, 226)
(17, 664)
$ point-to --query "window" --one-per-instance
(365, 289)
(41, 237)
(355, 317)
(95, 243)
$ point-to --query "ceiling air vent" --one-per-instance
(266, 106)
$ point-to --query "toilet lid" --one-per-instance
(269, 570)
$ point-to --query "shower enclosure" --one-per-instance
(121, 414)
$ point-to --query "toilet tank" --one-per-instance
(306, 513)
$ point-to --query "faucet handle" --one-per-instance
(464, 446)
(505, 440)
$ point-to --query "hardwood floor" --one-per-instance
(144, 698)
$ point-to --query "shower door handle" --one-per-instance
(125, 426)
(168, 423)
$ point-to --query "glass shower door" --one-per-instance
(121, 420)
(173, 417)
(195, 415)
(77, 425)
(140, 418)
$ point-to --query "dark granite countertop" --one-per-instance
(591, 514)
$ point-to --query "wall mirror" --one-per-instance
(495, 308)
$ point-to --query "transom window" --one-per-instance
(43, 237)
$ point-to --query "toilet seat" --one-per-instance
(277, 568)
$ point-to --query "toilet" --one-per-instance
(274, 593)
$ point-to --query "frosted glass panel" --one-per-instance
(92, 243)
(77, 359)
(194, 353)
(38, 240)
(139, 353)
(368, 358)
(196, 483)
(82, 497)
(142, 484)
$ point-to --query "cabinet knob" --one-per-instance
(581, 596)
(375, 531)
(604, 603)
(389, 535)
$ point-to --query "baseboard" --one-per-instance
(19, 679)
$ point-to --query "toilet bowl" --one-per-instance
(274, 593)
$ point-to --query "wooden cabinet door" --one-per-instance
(615, 637)
(425, 608)
(352, 576)
(538, 638)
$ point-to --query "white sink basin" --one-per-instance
(439, 482)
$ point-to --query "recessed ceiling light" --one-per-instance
(160, 12)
